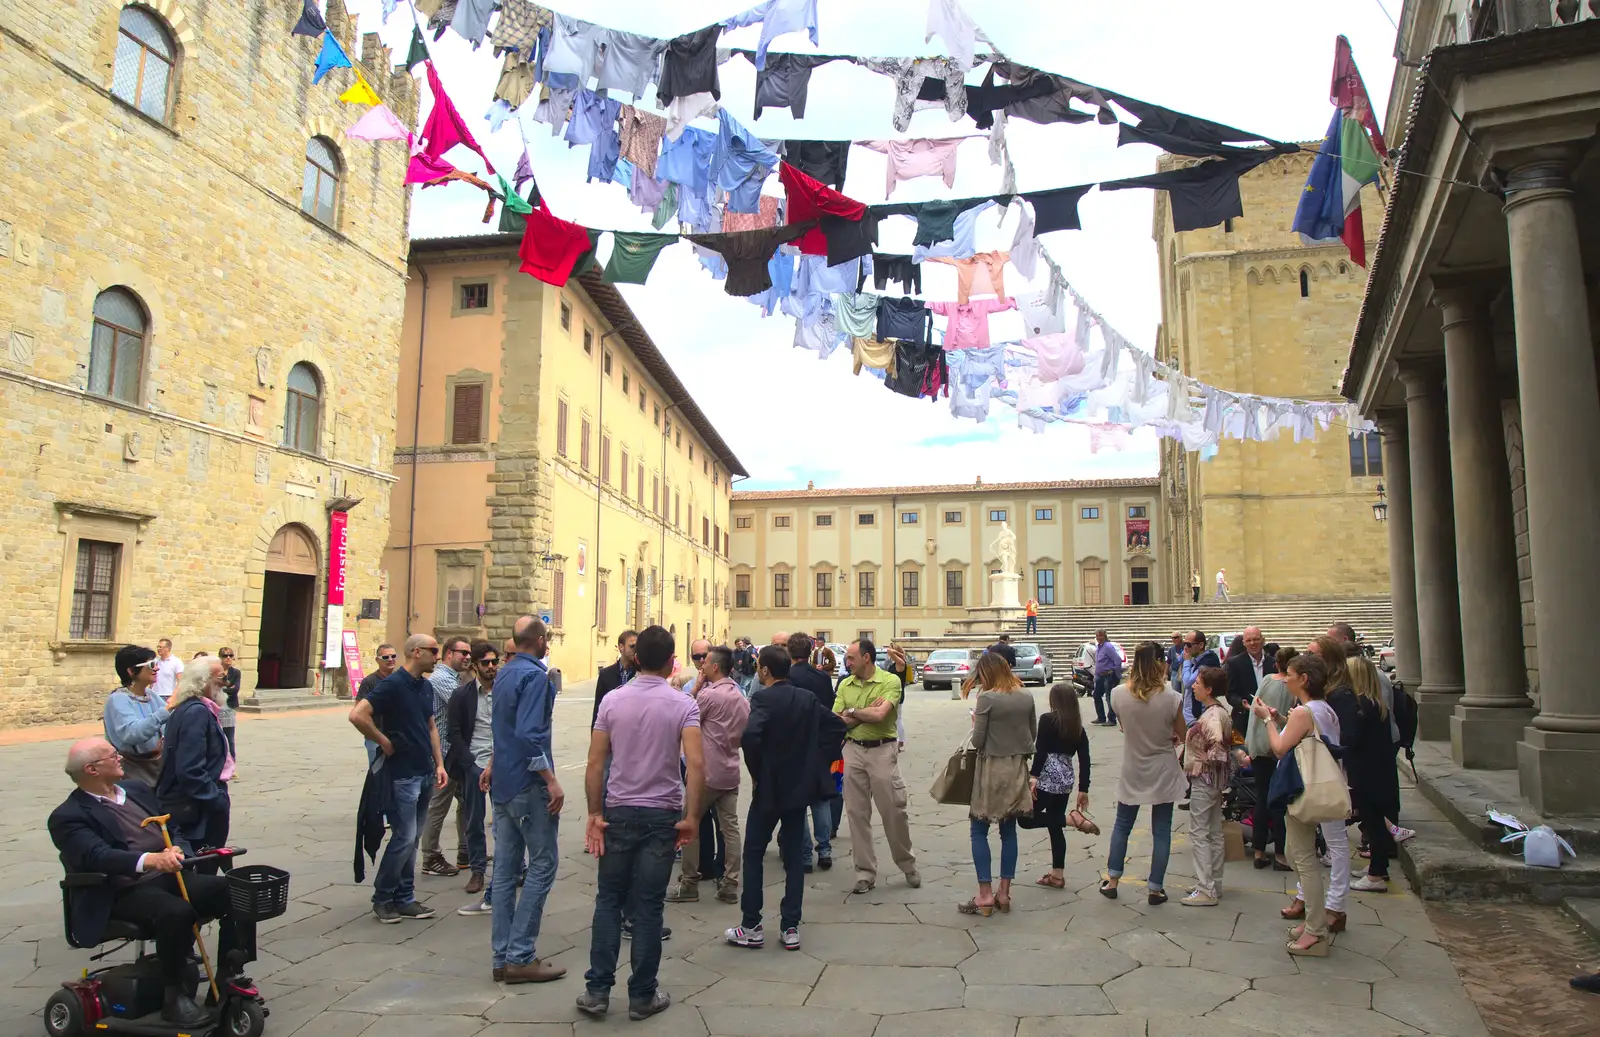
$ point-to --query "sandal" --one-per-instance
(1107, 889)
(1082, 822)
(1003, 903)
(972, 907)
(1295, 910)
(1053, 881)
(1316, 950)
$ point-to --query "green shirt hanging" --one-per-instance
(632, 256)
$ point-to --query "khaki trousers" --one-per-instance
(1205, 837)
(724, 803)
(438, 809)
(1302, 842)
(872, 776)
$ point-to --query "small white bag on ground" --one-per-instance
(1541, 846)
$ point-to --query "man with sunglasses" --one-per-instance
(455, 658)
(387, 660)
(1196, 657)
(409, 743)
(135, 716)
(230, 689)
(471, 740)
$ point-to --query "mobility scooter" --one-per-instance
(126, 998)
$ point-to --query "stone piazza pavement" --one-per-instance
(896, 962)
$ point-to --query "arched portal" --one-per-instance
(288, 605)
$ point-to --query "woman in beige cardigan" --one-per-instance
(1004, 725)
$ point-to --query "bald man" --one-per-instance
(409, 741)
(781, 639)
(100, 829)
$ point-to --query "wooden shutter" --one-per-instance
(561, 427)
(558, 598)
(466, 424)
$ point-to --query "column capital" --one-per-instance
(1391, 424)
(1539, 171)
(1422, 375)
(1465, 297)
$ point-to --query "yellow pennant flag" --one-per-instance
(359, 93)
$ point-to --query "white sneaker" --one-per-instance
(1326, 859)
(791, 939)
(739, 936)
(1401, 834)
(482, 907)
(1370, 884)
(1199, 899)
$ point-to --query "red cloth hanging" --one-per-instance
(551, 246)
(810, 198)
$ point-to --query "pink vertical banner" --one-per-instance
(338, 546)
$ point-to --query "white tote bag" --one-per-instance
(1327, 796)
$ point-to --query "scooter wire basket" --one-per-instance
(257, 892)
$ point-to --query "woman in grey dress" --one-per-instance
(1004, 725)
(1150, 714)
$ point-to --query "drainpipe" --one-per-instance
(660, 519)
(599, 484)
(894, 563)
(729, 559)
(416, 425)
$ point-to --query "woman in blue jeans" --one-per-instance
(1004, 726)
(1150, 714)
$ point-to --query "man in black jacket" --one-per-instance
(471, 747)
(1245, 672)
(788, 744)
(803, 675)
(1005, 650)
(100, 829)
(618, 673)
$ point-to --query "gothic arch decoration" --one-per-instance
(325, 126)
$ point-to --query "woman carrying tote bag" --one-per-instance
(1004, 727)
(1308, 722)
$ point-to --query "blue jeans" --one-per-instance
(791, 841)
(396, 880)
(523, 825)
(980, 848)
(822, 827)
(1033, 624)
(473, 808)
(1104, 684)
(1161, 833)
(633, 873)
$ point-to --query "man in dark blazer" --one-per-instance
(618, 673)
(1245, 671)
(826, 812)
(99, 829)
(788, 744)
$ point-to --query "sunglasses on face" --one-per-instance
(387, 658)
(488, 664)
(699, 657)
(227, 655)
(430, 648)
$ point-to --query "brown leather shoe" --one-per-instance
(535, 971)
(475, 883)
(498, 973)
(1336, 921)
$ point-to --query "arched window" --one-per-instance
(116, 349)
(1305, 284)
(319, 196)
(300, 412)
(142, 72)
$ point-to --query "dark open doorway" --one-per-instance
(288, 605)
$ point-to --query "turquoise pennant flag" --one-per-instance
(331, 57)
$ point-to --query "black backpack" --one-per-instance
(1405, 718)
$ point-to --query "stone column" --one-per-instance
(1402, 559)
(1490, 717)
(1432, 526)
(1559, 755)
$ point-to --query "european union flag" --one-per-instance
(1319, 218)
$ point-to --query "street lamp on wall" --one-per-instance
(1380, 507)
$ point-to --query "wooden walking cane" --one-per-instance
(162, 819)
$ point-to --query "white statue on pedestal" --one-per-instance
(1005, 549)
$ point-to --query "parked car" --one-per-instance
(1385, 657)
(1083, 668)
(946, 667)
(1223, 641)
(1032, 663)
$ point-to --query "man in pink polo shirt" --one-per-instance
(724, 712)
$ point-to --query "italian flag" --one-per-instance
(1349, 159)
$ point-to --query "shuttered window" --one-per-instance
(558, 598)
(561, 427)
(466, 421)
(583, 444)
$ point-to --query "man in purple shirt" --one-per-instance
(638, 814)
(724, 711)
(1107, 675)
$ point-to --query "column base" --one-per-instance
(1436, 704)
(1486, 738)
(1557, 771)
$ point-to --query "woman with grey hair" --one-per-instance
(196, 764)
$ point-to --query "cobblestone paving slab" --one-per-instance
(897, 962)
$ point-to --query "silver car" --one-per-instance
(947, 667)
(1032, 663)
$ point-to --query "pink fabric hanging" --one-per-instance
(445, 128)
(1059, 355)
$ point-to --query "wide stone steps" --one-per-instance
(284, 700)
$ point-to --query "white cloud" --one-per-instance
(1262, 65)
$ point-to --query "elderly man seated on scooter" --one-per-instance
(101, 828)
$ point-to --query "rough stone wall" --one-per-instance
(1511, 412)
(199, 217)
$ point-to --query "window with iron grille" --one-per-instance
(824, 520)
(319, 189)
(780, 522)
(741, 522)
(144, 62)
(866, 518)
(116, 348)
(474, 296)
(94, 585)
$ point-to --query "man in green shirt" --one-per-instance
(869, 703)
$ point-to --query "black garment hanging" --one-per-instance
(1182, 134)
(689, 66)
(785, 81)
(918, 370)
(748, 252)
(849, 239)
(1058, 209)
(888, 267)
(936, 221)
(905, 319)
(1202, 195)
(822, 160)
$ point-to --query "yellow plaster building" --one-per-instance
(908, 561)
(200, 293)
(1247, 307)
(564, 468)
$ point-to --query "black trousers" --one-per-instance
(791, 827)
(1265, 825)
(1375, 828)
(156, 904)
(1050, 813)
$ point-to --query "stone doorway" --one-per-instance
(288, 605)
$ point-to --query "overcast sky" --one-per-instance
(1262, 65)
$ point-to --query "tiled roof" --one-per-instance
(979, 487)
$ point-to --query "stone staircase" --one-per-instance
(1062, 629)
(284, 700)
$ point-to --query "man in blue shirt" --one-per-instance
(1175, 662)
(1196, 657)
(409, 742)
(527, 802)
(1107, 675)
